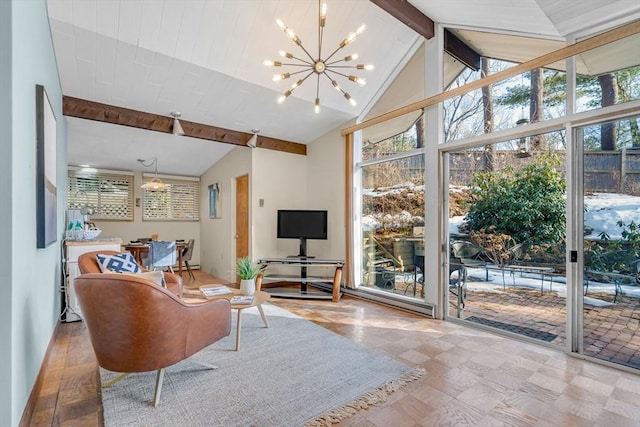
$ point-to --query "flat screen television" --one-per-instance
(302, 225)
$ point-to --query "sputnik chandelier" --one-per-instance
(317, 65)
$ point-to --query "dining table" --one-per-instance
(137, 249)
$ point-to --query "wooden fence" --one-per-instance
(604, 171)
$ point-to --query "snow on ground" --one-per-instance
(604, 210)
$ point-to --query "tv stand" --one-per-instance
(304, 262)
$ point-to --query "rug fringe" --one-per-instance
(374, 397)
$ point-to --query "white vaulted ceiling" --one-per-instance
(204, 58)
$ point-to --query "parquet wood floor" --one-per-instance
(473, 378)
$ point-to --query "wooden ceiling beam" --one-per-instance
(90, 110)
(411, 16)
(461, 51)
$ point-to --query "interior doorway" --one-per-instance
(242, 217)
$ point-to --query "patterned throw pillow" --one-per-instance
(120, 263)
(156, 277)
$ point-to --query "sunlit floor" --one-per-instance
(473, 377)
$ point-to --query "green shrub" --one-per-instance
(527, 204)
(245, 269)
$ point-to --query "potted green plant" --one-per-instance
(247, 271)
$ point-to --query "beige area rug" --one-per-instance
(294, 373)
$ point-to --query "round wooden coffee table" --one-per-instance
(258, 298)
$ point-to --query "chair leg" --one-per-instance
(189, 270)
(159, 378)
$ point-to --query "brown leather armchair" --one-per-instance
(144, 327)
(88, 263)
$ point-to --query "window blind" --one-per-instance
(109, 194)
(180, 202)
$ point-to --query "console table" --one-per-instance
(303, 263)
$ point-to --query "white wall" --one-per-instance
(217, 244)
(326, 190)
(280, 179)
(167, 230)
(30, 297)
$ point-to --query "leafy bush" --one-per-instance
(527, 204)
(615, 255)
(497, 247)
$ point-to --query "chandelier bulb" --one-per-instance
(278, 77)
(296, 84)
(323, 15)
(351, 57)
(269, 63)
(350, 99)
(317, 106)
(367, 67)
(358, 80)
(285, 54)
(280, 24)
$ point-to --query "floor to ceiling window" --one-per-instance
(520, 163)
(392, 201)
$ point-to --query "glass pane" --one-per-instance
(531, 97)
(394, 136)
(612, 242)
(392, 226)
(609, 75)
(507, 235)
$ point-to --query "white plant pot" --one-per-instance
(248, 286)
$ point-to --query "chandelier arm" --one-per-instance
(310, 63)
(331, 80)
(297, 72)
(305, 51)
(333, 53)
(339, 73)
(301, 81)
(306, 77)
(306, 64)
(335, 62)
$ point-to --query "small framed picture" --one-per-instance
(214, 200)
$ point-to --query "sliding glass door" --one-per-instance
(507, 237)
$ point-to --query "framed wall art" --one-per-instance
(214, 200)
(46, 193)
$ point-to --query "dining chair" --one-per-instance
(418, 275)
(162, 255)
(186, 256)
